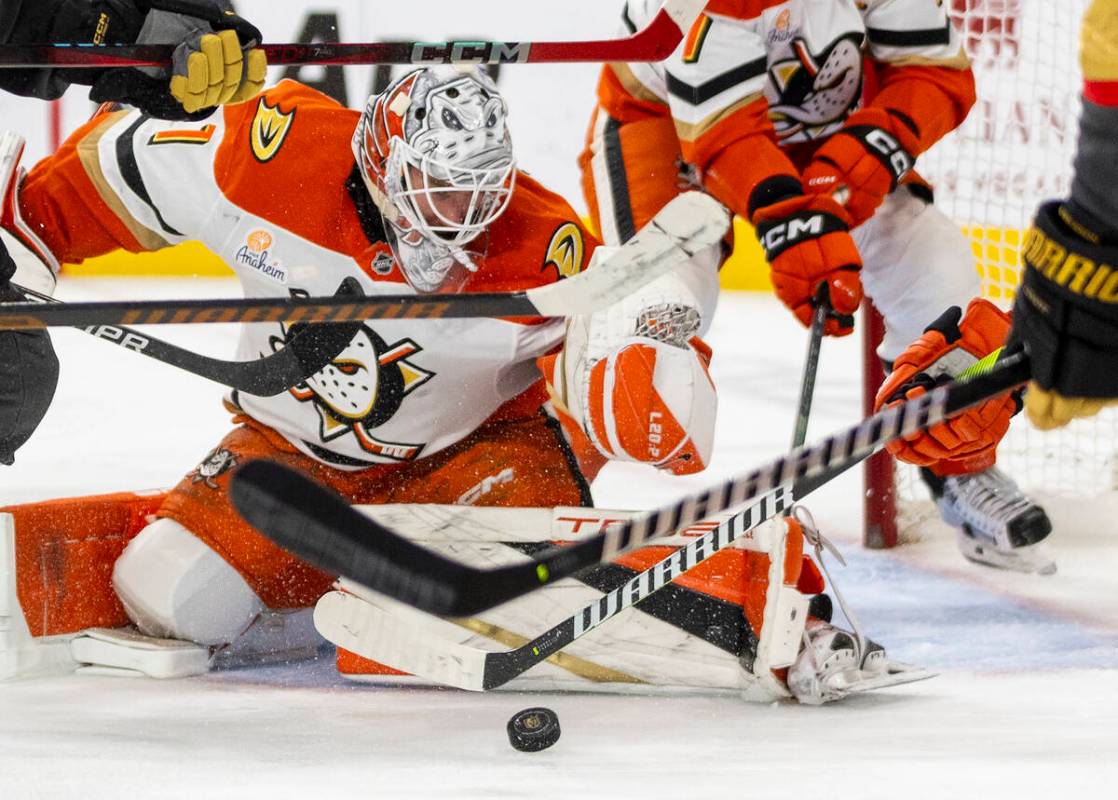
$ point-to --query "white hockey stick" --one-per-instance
(687, 225)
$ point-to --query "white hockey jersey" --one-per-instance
(269, 185)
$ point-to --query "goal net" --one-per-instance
(1014, 151)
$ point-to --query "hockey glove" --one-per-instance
(217, 60)
(863, 162)
(647, 401)
(966, 443)
(1066, 315)
(807, 243)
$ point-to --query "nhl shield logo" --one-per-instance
(270, 127)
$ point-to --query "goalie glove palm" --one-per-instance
(966, 443)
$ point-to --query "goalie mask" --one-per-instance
(435, 154)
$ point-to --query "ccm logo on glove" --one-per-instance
(899, 161)
(777, 237)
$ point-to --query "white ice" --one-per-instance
(1026, 705)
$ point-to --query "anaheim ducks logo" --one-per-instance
(270, 127)
(216, 463)
(815, 92)
(566, 250)
(361, 389)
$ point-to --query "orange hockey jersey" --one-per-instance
(270, 186)
(784, 74)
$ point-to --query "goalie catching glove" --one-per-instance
(634, 379)
(951, 345)
(863, 162)
(807, 244)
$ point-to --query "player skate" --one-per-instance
(998, 525)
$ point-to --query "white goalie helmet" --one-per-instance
(435, 153)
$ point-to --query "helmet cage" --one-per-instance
(448, 203)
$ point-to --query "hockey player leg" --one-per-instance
(917, 263)
(998, 525)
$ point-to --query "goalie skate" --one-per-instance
(998, 525)
(835, 664)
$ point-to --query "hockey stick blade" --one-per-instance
(306, 353)
(318, 525)
(685, 226)
(655, 42)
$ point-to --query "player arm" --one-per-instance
(922, 73)
(921, 89)
(1066, 312)
(122, 181)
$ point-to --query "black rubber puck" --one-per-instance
(534, 729)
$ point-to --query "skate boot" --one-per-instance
(998, 525)
(832, 664)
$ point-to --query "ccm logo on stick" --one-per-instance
(470, 52)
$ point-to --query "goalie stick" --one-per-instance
(303, 355)
(655, 42)
(320, 527)
(688, 224)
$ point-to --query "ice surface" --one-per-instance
(1027, 705)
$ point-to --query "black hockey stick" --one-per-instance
(688, 224)
(319, 526)
(306, 353)
(811, 367)
(655, 42)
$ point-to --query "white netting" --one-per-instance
(1014, 151)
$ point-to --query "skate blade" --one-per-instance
(896, 674)
(1034, 559)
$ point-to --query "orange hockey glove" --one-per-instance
(647, 401)
(862, 163)
(967, 443)
(807, 243)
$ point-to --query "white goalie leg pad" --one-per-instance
(632, 651)
(36, 266)
(176, 589)
(174, 586)
(21, 655)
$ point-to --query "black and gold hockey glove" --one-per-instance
(1066, 315)
(217, 60)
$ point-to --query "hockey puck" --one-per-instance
(534, 729)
